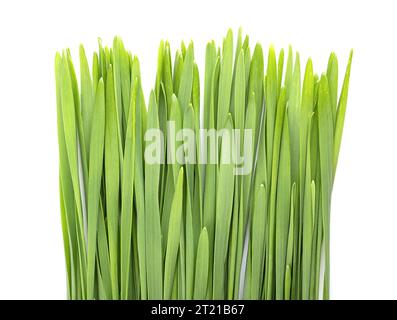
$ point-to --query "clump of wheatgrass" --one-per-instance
(135, 229)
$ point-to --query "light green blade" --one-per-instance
(290, 247)
(283, 210)
(201, 275)
(210, 61)
(278, 129)
(127, 191)
(224, 204)
(70, 131)
(186, 81)
(140, 124)
(225, 81)
(255, 84)
(308, 222)
(87, 96)
(326, 137)
(258, 241)
(153, 228)
(94, 182)
(210, 178)
(340, 114)
(112, 180)
(332, 76)
(173, 237)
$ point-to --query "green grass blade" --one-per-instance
(210, 179)
(189, 124)
(250, 124)
(258, 241)
(140, 124)
(307, 107)
(201, 275)
(270, 285)
(176, 118)
(340, 114)
(125, 78)
(326, 137)
(232, 252)
(255, 84)
(294, 103)
(178, 67)
(103, 257)
(224, 205)
(271, 105)
(66, 191)
(290, 247)
(167, 76)
(69, 129)
(87, 97)
(236, 239)
(247, 61)
(94, 182)
(117, 82)
(186, 81)
(288, 72)
(95, 72)
(127, 191)
(283, 210)
(173, 236)
(159, 74)
(332, 76)
(153, 228)
(112, 180)
(280, 69)
(210, 61)
(307, 224)
(225, 80)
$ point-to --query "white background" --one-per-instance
(364, 206)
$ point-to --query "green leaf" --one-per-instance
(87, 97)
(201, 276)
(173, 236)
(278, 128)
(127, 191)
(210, 178)
(271, 105)
(280, 68)
(283, 209)
(340, 114)
(103, 257)
(224, 204)
(186, 81)
(140, 124)
(258, 241)
(68, 205)
(69, 131)
(225, 80)
(308, 223)
(94, 182)
(167, 76)
(153, 228)
(210, 61)
(332, 76)
(178, 67)
(255, 84)
(112, 180)
(290, 247)
(159, 74)
(326, 137)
